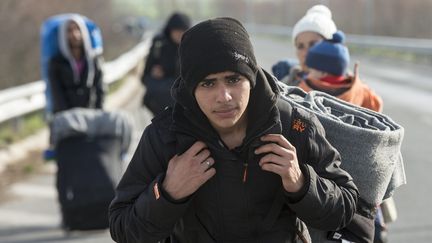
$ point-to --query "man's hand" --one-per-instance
(188, 171)
(157, 72)
(281, 158)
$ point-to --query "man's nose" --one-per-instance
(224, 93)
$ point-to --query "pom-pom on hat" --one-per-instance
(330, 56)
(317, 19)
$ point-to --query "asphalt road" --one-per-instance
(32, 214)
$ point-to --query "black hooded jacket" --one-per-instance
(225, 208)
(68, 93)
(164, 51)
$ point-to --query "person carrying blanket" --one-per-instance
(373, 158)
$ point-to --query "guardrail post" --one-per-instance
(17, 124)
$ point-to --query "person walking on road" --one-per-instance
(327, 64)
(75, 74)
(231, 161)
(316, 25)
(327, 72)
(162, 63)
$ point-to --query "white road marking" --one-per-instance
(29, 190)
(12, 218)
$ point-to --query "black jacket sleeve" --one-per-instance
(140, 211)
(58, 93)
(98, 83)
(330, 196)
(153, 58)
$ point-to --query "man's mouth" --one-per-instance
(226, 112)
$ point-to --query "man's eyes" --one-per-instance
(234, 79)
(229, 80)
(207, 83)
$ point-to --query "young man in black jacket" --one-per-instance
(232, 161)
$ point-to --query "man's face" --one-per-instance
(223, 97)
(303, 42)
(74, 35)
(176, 35)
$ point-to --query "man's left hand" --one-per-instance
(281, 158)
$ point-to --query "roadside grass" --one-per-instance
(18, 171)
(113, 87)
(16, 129)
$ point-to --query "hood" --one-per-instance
(88, 52)
(176, 21)
(188, 117)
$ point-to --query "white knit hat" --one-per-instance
(317, 19)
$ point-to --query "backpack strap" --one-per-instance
(293, 125)
(288, 118)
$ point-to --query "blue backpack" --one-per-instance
(50, 46)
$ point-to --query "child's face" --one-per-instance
(316, 74)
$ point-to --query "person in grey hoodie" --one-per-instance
(231, 161)
(75, 74)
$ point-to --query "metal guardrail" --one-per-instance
(418, 46)
(21, 100)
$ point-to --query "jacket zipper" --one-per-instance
(245, 171)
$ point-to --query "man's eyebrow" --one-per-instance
(208, 80)
(234, 75)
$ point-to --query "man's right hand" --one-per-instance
(188, 171)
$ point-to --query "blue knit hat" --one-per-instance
(330, 56)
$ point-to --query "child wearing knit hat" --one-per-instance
(327, 63)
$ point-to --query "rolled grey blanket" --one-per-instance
(92, 123)
(369, 142)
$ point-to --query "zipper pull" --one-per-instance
(245, 172)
